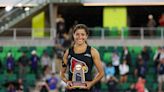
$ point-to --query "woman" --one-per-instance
(81, 53)
(124, 70)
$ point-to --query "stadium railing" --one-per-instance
(98, 36)
(96, 32)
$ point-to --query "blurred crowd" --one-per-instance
(123, 69)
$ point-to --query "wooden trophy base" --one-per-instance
(79, 85)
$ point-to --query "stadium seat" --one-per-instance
(50, 51)
(155, 87)
(104, 86)
(101, 50)
(7, 49)
(149, 86)
(130, 78)
(96, 32)
(150, 77)
(2, 89)
(158, 31)
(106, 32)
(24, 49)
(1, 48)
(40, 50)
(2, 79)
(110, 48)
(15, 49)
(3, 55)
(32, 48)
(119, 49)
(30, 79)
(126, 32)
(107, 57)
(123, 87)
(17, 55)
(137, 49)
(114, 31)
(11, 77)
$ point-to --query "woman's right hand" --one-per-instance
(69, 85)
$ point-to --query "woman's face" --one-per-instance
(80, 36)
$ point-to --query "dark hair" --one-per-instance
(81, 26)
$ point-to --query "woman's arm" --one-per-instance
(64, 67)
(98, 64)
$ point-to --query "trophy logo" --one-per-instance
(79, 69)
(78, 74)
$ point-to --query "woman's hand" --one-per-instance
(88, 84)
(69, 85)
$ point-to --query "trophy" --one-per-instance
(78, 78)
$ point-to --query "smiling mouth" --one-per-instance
(79, 40)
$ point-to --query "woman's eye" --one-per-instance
(82, 34)
(77, 34)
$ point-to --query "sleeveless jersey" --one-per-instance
(85, 59)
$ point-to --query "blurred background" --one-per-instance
(129, 35)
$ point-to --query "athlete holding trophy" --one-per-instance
(80, 59)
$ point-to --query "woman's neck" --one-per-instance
(80, 48)
(80, 45)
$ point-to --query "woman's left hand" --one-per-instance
(88, 84)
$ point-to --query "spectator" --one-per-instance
(161, 74)
(140, 70)
(145, 56)
(112, 84)
(139, 58)
(34, 63)
(59, 40)
(126, 55)
(71, 30)
(10, 63)
(60, 22)
(140, 85)
(116, 62)
(162, 53)
(20, 86)
(53, 83)
(23, 63)
(151, 24)
(57, 64)
(43, 87)
(161, 20)
(62, 86)
(45, 60)
(124, 70)
(60, 47)
(157, 57)
(46, 73)
(67, 41)
(109, 71)
(11, 87)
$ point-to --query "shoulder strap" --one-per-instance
(70, 52)
(88, 49)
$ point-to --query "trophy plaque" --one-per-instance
(78, 77)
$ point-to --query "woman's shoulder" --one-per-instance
(94, 51)
(66, 52)
(68, 49)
